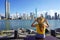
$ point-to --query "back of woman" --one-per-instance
(40, 27)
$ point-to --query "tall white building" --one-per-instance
(13, 17)
(16, 15)
(28, 17)
(7, 9)
(24, 17)
(35, 15)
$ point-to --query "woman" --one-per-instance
(41, 25)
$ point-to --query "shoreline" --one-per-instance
(21, 35)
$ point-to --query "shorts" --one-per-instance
(40, 35)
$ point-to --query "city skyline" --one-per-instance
(27, 6)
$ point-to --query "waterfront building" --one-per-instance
(13, 17)
(16, 15)
(7, 9)
(56, 17)
(31, 15)
(46, 15)
(24, 17)
(28, 17)
(19, 16)
(35, 14)
(53, 17)
(49, 17)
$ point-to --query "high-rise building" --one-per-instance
(28, 17)
(7, 9)
(46, 15)
(31, 15)
(13, 17)
(49, 17)
(53, 17)
(56, 17)
(16, 15)
(24, 16)
(35, 14)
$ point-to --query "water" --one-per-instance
(15, 24)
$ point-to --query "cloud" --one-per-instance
(2, 14)
(41, 12)
(50, 12)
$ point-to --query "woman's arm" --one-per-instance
(33, 25)
(46, 23)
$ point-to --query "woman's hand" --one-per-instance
(33, 23)
(46, 25)
(36, 19)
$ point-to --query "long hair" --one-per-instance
(40, 24)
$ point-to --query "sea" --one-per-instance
(16, 24)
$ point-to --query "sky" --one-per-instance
(27, 6)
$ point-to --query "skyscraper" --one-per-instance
(46, 15)
(16, 15)
(31, 15)
(7, 9)
(24, 16)
(56, 17)
(35, 15)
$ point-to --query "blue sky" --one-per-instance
(28, 6)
